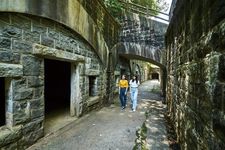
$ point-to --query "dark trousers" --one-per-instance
(123, 97)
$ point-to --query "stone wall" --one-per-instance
(25, 41)
(142, 36)
(195, 45)
(89, 19)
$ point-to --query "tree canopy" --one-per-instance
(115, 6)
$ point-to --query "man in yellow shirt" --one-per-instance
(123, 87)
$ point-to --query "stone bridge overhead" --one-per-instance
(141, 38)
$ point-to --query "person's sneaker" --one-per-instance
(133, 110)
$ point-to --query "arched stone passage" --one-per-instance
(128, 52)
(141, 52)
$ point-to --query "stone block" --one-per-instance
(11, 146)
(5, 43)
(31, 65)
(19, 83)
(32, 137)
(10, 70)
(21, 94)
(32, 126)
(37, 113)
(38, 92)
(33, 37)
(22, 46)
(53, 34)
(16, 58)
(8, 136)
(37, 103)
(5, 56)
(47, 41)
(35, 81)
(36, 28)
(12, 32)
(55, 53)
(21, 112)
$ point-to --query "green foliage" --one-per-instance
(114, 6)
(147, 3)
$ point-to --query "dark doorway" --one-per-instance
(92, 86)
(155, 76)
(2, 101)
(57, 85)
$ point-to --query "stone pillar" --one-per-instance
(75, 100)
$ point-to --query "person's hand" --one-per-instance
(125, 93)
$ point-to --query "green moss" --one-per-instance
(141, 134)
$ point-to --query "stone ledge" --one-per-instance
(9, 135)
(48, 52)
(92, 72)
(93, 100)
(10, 70)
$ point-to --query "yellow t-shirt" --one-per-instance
(123, 84)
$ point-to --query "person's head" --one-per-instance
(123, 76)
(135, 78)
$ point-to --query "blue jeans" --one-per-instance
(133, 96)
(123, 97)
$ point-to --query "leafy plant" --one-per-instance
(147, 3)
(115, 6)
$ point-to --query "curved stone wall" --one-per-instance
(25, 42)
(72, 14)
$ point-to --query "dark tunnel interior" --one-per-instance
(57, 85)
(155, 76)
(2, 101)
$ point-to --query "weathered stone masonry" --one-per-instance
(24, 44)
(195, 42)
(26, 41)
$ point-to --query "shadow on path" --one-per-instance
(113, 129)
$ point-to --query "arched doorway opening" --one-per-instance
(155, 76)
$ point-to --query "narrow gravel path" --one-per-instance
(113, 129)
